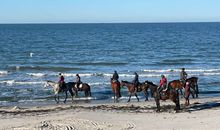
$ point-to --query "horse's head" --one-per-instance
(46, 84)
(150, 84)
(49, 83)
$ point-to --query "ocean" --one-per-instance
(30, 54)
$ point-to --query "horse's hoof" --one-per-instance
(157, 110)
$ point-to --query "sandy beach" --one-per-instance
(202, 114)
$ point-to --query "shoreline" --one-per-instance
(134, 115)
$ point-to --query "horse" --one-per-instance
(170, 93)
(141, 88)
(116, 89)
(82, 87)
(194, 86)
(177, 84)
(57, 89)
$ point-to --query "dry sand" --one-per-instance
(202, 114)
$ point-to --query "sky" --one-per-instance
(108, 11)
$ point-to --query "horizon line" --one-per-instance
(111, 22)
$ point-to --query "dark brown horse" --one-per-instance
(116, 89)
(193, 86)
(170, 93)
(82, 87)
(142, 87)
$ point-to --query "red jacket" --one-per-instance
(163, 81)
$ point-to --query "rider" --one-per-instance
(183, 76)
(135, 81)
(61, 81)
(163, 83)
(115, 76)
(78, 81)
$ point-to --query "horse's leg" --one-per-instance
(129, 97)
(197, 90)
(114, 94)
(193, 91)
(55, 97)
(71, 92)
(177, 101)
(65, 96)
(146, 95)
(76, 93)
(58, 97)
(181, 91)
(136, 96)
(157, 100)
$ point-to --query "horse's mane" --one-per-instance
(125, 81)
(191, 78)
(51, 81)
(149, 82)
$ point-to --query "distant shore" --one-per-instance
(202, 114)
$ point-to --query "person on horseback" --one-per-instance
(78, 81)
(115, 76)
(163, 83)
(183, 76)
(61, 81)
(135, 81)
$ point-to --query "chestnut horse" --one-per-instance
(116, 89)
(142, 87)
(170, 93)
(177, 84)
(82, 87)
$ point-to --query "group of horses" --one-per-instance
(172, 91)
(71, 87)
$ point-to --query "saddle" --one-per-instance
(79, 87)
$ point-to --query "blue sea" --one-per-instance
(30, 54)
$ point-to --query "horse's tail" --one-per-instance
(197, 87)
(89, 90)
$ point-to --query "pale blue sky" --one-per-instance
(102, 11)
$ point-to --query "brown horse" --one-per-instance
(177, 84)
(82, 87)
(194, 86)
(142, 87)
(170, 93)
(116, 89)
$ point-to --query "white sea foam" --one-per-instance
(74, 74)
(85, 98)
(132, 97)
(37, 74)
(98, 83)
(12, 82)
(211, 74)
(178, 70)
(3, 72)
(162, 71)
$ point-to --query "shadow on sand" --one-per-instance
(204, 106)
